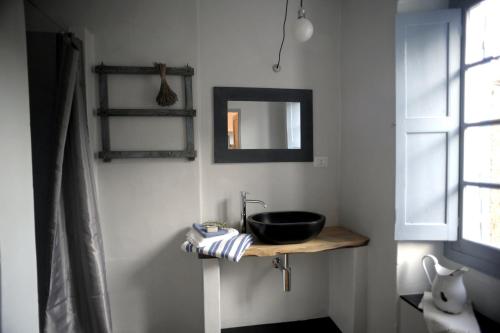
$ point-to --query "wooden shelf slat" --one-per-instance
(104, 69)
(114, 154)
(330, 238)
(146, 112)
(105, 112)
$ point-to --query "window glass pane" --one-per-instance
(481, 211)
(482, 92)
(482, 154)
(483, 29)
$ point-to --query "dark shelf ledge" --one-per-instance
(144, 112)
(104, 69)
(485, 324)
(113, 154)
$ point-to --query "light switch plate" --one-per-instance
(320, 161)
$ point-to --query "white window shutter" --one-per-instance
(427, 124)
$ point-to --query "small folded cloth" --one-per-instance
(438, 321)
(231, 249)
(202, 230)
(198, 240)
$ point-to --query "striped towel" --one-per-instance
(231, 249)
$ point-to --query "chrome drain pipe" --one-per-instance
(286, 271)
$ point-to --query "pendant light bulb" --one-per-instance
(303, 28)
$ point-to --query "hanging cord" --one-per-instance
(277, 66)
(47, 16)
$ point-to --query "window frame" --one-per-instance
(478, 256)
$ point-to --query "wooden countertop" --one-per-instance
(330, 238)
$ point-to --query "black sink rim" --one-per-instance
(321, 218)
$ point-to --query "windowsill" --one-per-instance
(473, 255)
(485, 324)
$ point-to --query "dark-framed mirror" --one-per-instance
(262, 125)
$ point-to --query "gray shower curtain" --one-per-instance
(76, 299)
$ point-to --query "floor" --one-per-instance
(321, 325)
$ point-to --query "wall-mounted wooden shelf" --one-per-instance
(146, 112)
(105, 112)
(116, 154)
(142, 70)
(330, 238)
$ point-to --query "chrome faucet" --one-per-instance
(244, 201)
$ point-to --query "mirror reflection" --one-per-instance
(263, 125)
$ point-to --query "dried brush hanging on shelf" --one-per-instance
(166, 96)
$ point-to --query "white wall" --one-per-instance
(18, 287)
(367, 153)
(348, 289)
(239, 41)
(147, 205)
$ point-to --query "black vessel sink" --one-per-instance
(286, 227)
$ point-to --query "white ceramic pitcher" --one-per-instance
(448, 289)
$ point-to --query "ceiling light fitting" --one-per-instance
(303, 30)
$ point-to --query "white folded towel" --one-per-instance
(231, 249)
(438, 321)
(198, 240)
